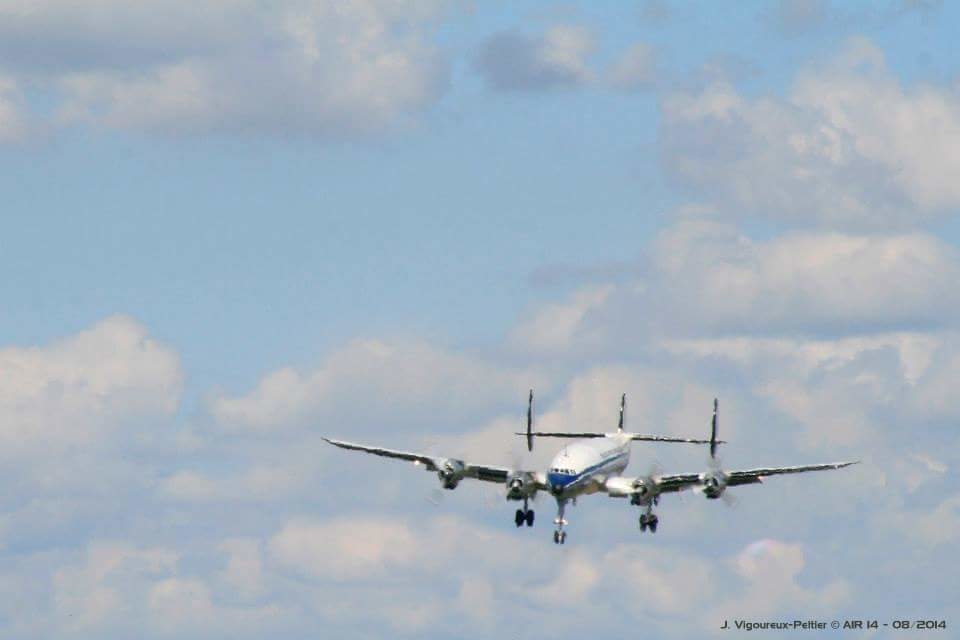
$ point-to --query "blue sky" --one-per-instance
(229, 231)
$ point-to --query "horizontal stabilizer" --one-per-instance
(594, 434)
(641, 436)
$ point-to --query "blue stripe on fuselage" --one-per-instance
(564, 480)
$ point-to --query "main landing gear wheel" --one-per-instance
(649, 521)
(523, 517)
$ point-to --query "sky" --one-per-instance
(232, 228)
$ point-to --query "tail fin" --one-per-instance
(713, 431)
(623, 408)
(531, 434)
(530, 422)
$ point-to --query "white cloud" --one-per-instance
(372, 379)
(661, 582)
(344, 548)
(770, 569)
(557, 58)
(118, 588)
(83, 387)
(13, 127)
(476, 598)
(635, 68)
(554, 325)
(309, 67)
(87, 595)
(577, 577)
(706, 279)
(850, 146)
(258, 483)
(243, 574)
(929, 527)
(178, 601)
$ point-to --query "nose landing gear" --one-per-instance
(560, 536)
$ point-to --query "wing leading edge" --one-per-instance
(486, 473)
(679, 481)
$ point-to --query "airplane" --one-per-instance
(593, 464)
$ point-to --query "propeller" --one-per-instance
(518, 480)
(518, 472)
(450, 465)
(436, 497)
(714, 463)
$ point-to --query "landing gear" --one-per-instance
(649, 520)
(523, 515)
(560, 536)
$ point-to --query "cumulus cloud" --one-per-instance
(849, 146)
(13, 126)
(322, 68)
(83, 387)
(347, 548)
(243, 574)
(555, 324)
(804, 281)
(88, 594)
(259, 483)
(931, 528)
(706, 279)
(636, 68)
(557, 58)
(118, 589)
(372, 379)
(770, 569)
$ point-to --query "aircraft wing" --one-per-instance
(750, 476)
(680, 481)
(432, 463)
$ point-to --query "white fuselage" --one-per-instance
(583, 466)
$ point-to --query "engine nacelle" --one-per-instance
(521, 486)
(450, 472)
(640, 490)
(713, 484)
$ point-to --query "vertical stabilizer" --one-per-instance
(530, 422)
(623, 408)
(713, 432)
